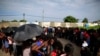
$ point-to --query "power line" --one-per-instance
(37, 16)
(10, 15)
(32, 16)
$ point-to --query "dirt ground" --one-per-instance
(3, 53)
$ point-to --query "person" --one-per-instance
(27, 48)
(87, 37)
(68, 49)
(5, 45)
(18, 49)
(1, 37)
(50, 45)
(54, 52)
(57, 48)
(14, 48)
(0, 43)
(63, 54)
(26, 51)
(10, 42)
(43, 47)
(35, 49)
(85, 50)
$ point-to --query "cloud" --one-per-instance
(52, 8)
(31, 4)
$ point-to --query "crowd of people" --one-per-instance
(47, 44)
(87, 39)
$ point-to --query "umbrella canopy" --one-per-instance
(27, 31)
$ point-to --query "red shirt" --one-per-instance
(86, 35)
(53, 53)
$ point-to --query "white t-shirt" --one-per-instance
(26, 52)
(84, 44)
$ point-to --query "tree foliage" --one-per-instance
(14, 21)
(4, 21)
(70, 19)
(23, 20)
(85, 20)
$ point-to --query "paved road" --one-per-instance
(76, 48)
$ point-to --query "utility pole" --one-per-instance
(43, 15)
(24, 16)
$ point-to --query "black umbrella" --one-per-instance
(27, 31)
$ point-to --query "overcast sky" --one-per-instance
(54, 10)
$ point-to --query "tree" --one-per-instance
(85, 20)
(4, 21)
(14, 21)
(70, 19)
(23, 20)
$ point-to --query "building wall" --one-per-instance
(45, 24)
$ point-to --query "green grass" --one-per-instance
(91, 27)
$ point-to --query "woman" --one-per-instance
(50, 45)
(5, 45)
(10, 42)
(37, 47)
(57, 48)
